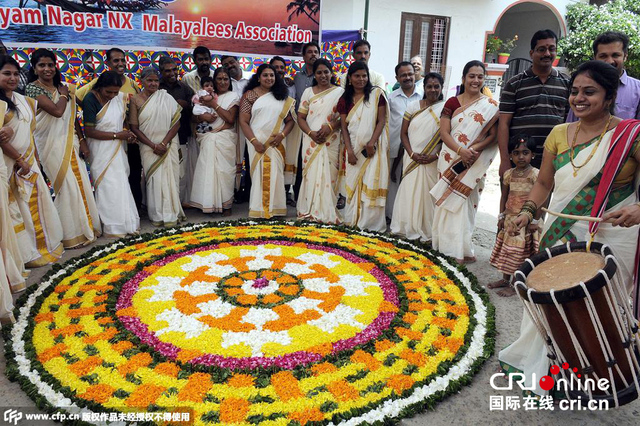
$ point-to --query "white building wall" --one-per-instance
(470, 19)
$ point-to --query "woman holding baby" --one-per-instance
(155, 119)
(215, 174)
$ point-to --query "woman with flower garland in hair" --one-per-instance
(589, 168)
(215, 174)
(364, 118)
(468, 130)
(104, 109)
(60, 143)
(319, 120)
(155, 120)
(35, 218)
(265, 119)
(420, 136)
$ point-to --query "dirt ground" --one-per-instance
(471, 405)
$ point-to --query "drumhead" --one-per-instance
(565, 271)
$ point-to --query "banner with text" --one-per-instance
(254, 27)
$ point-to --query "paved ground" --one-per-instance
(471, 405)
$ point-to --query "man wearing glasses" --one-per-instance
(535, 101)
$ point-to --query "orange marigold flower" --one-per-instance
(399, 383)
(286, 386)
(196, 388)
(384, 345)
(233, 410)
(241, 381)
(167, 368)
(144, 395)
(99, 393)
(323, 368)
(139, 360)
(343, 391)
(367, 359)
(305, 416)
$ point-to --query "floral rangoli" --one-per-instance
(252, 323)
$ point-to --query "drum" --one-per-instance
(577, 301)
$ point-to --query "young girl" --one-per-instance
(510, 251)
(206, 94)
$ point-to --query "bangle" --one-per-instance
(331, 127)
(82, 139)
(252, 139)
(501, 216)
(458, 151)
(216, 108)
(309, 132)
(64, 96)
(411, 156)
(534, 222)
(283, 135)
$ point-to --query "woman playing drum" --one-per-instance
(575, 160)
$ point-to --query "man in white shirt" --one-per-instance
(238, 82)
(362, 52)
(190, 151)
(416, 61)
(398, 101)
(202, 58)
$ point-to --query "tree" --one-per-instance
(306, 7)
(585, 22)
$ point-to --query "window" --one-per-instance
(426, 36)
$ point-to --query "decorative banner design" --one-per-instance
(264, 27)
(79, 66)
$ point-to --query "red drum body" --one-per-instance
(578, 303)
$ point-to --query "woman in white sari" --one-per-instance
(420, 135)
(364, 113)
(59, 151)
(35, 219)
(104, 111)
(265, 119)
(574, 164)
(215, 174)
(468, 130)
(154, 117)
(318, 118)
(12, 271)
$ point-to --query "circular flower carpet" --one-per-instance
(263, 323)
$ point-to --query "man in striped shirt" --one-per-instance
(535, 101)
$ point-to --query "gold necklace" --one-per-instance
(593, 151)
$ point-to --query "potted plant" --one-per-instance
(492, 48)
(505, 49)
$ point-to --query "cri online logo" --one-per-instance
(547, 382)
